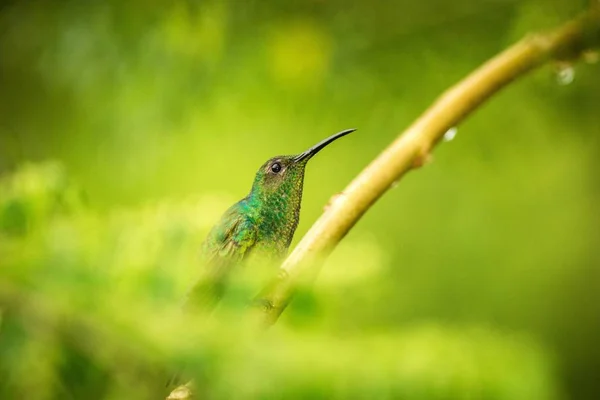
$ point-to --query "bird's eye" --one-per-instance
(276, 167)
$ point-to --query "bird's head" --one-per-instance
(283, 176)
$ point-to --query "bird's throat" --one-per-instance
(277, 216)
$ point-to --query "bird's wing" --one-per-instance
(226, 245)
(230, 241)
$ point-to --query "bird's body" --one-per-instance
(263, 222)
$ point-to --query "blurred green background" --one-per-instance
(126, 128)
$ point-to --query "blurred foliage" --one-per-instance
(476, 277)
(91, 311)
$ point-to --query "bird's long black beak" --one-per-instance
(307, 155)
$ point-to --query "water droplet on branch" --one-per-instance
(450, 134)
(565, 74)
(591, 56)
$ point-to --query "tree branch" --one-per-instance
(412, 148)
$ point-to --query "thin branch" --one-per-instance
(412, 148)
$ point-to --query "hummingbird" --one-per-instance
(263, 222)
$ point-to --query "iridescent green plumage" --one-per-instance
(264, 221)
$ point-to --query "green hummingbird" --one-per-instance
(263, 222)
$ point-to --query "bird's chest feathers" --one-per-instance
(278, 220)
